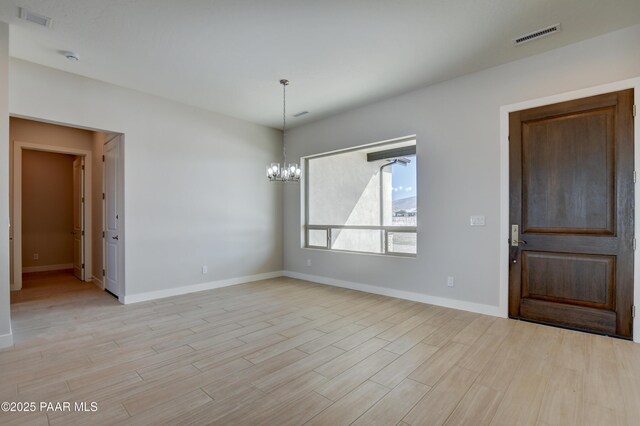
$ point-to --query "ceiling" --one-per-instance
(228, 55)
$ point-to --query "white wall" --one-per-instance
(457, 124)
(195, 191)
(5, 323)
(344, 189)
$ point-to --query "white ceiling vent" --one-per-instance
(543, 32)
(27, 15)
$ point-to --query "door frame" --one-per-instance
(633, 83)
(81, 160)
(16, 230)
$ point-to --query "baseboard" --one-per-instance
(46, 268)
(98, 282)
(400, 294)
(383, 291)
(177, 291)
(6, 340)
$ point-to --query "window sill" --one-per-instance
(363, 253)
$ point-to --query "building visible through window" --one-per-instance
(364, 200)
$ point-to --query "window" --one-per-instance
(363, 200)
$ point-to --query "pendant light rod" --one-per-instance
(284, 83)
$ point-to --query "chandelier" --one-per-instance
(287, 172)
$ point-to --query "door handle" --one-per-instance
(515, 236)
(114, 238)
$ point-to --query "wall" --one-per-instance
(344, 189)
(457, 124)
(195, 190)
(47, 209)
(5, 322)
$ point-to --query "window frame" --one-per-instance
(385, 229)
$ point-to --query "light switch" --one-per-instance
(477, 221)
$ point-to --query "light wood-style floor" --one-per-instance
(288, 352)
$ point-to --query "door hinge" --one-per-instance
(634, 243)
(634, 110)
(103, 195)
(83, 199)
(103, 273)
(83, 266)
(633, 311)
(103, 158)
(83, 233)
(634, 176)
(102, 234)
(82, 167)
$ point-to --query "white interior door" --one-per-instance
(78, 218)
(112, 228)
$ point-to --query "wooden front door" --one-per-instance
(571, 214)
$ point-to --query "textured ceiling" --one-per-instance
(228, 55)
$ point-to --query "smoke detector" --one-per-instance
(72, 56)
(35, 18)
(535, 35)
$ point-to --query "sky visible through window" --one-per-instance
(404, 180)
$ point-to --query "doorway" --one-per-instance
(52, 212)
(86, 233)
(76, 233)
(571, 210)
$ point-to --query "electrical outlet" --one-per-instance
(36, 256)
(205, 269)
(308, 262)
(449, 281)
